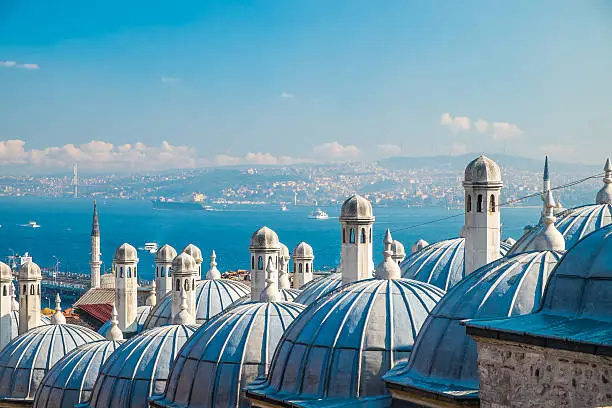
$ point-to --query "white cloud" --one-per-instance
(14, 64)
(388, 149)
(169, 80)
(334, 151)
(455, 124)
(504, 131)
(287, 95)
(482, 126)
(257, 158)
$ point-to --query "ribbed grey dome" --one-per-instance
(342, 344)
(44, 320)
(284, 251)
(289, 295)
(6, 274)
(303, 250)
(126, 253)
(194, 251)
(212, 297)
(444, 359)
(71, 380)
(356, 207)
(165, 254)
(482, 170)
(28, 357)
(29, 270)
(442, 264)
(226, 354)
(142, 314)
(139, 368)
(264, 238)
(317, 288)
(573, 224)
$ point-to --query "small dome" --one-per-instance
(318, 288)
(573, 224)
(28, 357)
(444, 358)
(165, 254)
(442, 264)
(71, 379)
(139, 368)
(284, 251)
(417, 246)
(264, 238)
(398, 249)
(222, 357)
(184, 263)
(212, 297)
(482, 170)
(126, 253)
(356, 207)
(509, 241)
(195, 252)
(339, 347)
(288, 295)
(303, 250)
(6, 274)
(29, 270)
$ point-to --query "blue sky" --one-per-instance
(224, 82)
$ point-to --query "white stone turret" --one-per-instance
(163, 270)
(388, 268)
(58, 317)
(29, 296)
(213, 272)
(95, 261)
(270, 290)
(152, 296)
(604, 196)
(6, 307)
(303, 257)
(185, 272)
(265, 250)
(357, 220)
(114, 332)
(482, 184)
(126, 287)
(283, 267)
(195, 252)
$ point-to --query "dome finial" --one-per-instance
(388, 268)
(152, 297)
(184, 317)
(114, 333)
(549, 238)
(604, 196)
(58, 317)
(270, 292)
(213, 272)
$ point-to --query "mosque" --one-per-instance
(473, 320)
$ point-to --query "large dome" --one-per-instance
(341, 345)
(28, 357)
(444, 359)
(71, 380)
(317, 288)
(442, 264)
(139, 368)
(212, 297)
(225, 355)
(574, 224)
(356, 207)
(482, 170)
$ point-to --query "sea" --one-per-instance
(65, 228)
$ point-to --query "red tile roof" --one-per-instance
(101, 311)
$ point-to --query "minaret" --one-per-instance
(549, 238)
(482, 184)
(213, 272)
(303, 257)
(270, 290)
(195, 252)
(185, 271)
(163, 270)
(29, 296)
(604, 196)
(6, 307)
(388, 268)
(545, 180)
(126, 286)
(95, 262)
(114, 332)
(357, 220)
(283, 268)
(58, 317)
(265, 250)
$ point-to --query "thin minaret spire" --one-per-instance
(95, 261)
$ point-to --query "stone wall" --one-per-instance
(521, 375)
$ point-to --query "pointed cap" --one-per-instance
(114, 333)
(183, 316)
(546, 175)
(213, 272)
(604, 196)
(388, 268)
(58, 317)
(95, 226)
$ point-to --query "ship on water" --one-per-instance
(196, 203)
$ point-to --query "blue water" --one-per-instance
(66, 227)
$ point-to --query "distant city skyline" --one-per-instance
(153, 86)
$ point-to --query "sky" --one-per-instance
(151, 85)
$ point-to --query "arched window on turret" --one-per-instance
(135, 271)
(129, 272)
(169, 271)
(468, 203)
(178, 285)
(352, 236)
(38, 289)
(300, 269)
(260, 263)
(307, 268)
(193, 284)
(31, 289)
(370, 235)
(24, 290)
(363, 236)
(492, 203)
(479, 203)
(121, 271)
(344, 235)
(186, 285)
(253, 262)
(4, 291)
